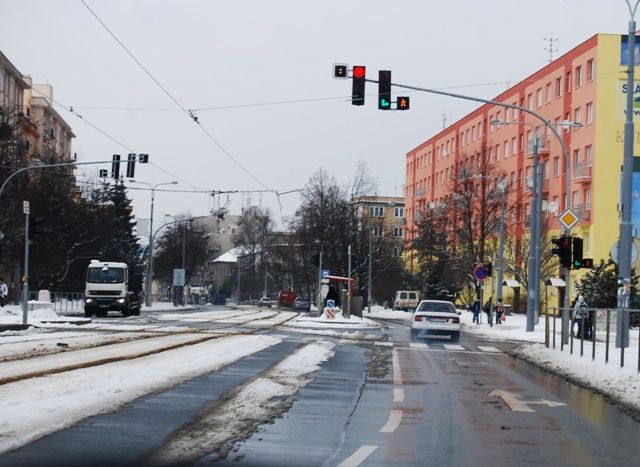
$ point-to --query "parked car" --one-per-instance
(264, 301)
(286, 298)
(302, 303)
(435, 317)
(406, 300)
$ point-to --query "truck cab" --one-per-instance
(109, 286)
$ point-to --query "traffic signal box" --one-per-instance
(563, 250)
(578, 262)
(384, 89)
(403, 103)
(359, 81)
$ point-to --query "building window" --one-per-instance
(376, 211)
(539, 97)
(376, 231)
(589, 113)
(548, 92)
(577, 115)
(506, 149)
(513, 146)
(556, 166)
(398, 212)
(567, 83)
(587, 242)
(547, 169)
(558, 87)
(578, 76)
(397, 232)
(576, 198)
(588, 155)
(567, 117)
(230, 272)
(590, 70)
(530, 101)
(576, 157)
(587, 199)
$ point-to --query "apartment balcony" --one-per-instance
(419, 193)
(543, 146)
(582, 172)
(584, 211)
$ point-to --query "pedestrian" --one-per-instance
(580, 317)
(475, 309)
(4, 291)
(487, 309)
(499, 310)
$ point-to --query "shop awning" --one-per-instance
(556, 282)
(511, 283)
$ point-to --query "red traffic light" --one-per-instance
(359, 71)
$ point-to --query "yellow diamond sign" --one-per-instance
(568, 219)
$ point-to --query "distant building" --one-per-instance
(385, 215)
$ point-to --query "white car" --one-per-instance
(264, 301)
(435, 317)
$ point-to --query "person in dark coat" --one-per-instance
(487, 309)
(475, 309)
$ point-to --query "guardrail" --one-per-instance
(597, 331)
(63, 302)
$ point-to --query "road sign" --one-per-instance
(178, 277)
(568, 219)
(615, 252)
(324, 273)
(25, 207)
(480, 272)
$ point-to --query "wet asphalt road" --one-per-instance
(420, 404)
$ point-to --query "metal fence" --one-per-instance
(63, 302)
(595, 335)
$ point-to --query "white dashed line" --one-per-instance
(384, 343)
(397, 375)
(453, 347)
(486, 348)
(395, 417)
(358, 457)
(398, 395)
(418, 345)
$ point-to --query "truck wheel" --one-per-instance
(88, 313)
(127, 311)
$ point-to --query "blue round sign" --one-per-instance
(480, 272)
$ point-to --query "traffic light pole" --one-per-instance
(25, 286)
(533, 282)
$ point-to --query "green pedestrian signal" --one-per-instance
(384, 89)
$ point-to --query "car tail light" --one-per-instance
(418, 318)
(455, 320)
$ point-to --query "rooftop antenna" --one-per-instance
(444, 121)
(550, 48)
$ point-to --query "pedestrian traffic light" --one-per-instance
(384, 89)
(489, 268)
(104, 173)
(563, 250)
(36, 226)
(359, 80)
(576, 253)
(402, 103)
(115, 166)
(131, 165)
(143, 158)
(587, 263)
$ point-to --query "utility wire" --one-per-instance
(190, 113)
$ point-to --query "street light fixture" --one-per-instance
(150, 246)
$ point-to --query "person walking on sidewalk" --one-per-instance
(4, 291)
(487, 309)
(581, 317)
(475, 309)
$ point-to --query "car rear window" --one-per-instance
(435, 306)
(412, 295)
(403, 294)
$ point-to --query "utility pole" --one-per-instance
(503, 188)
(370, 271)
(534, 247)
(348, 307)
(25, 286)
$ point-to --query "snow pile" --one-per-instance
(378, 312)
(339, 320)
(12, 314)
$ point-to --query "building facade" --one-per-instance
(587, 86)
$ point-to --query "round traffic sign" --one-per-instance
(480, 272)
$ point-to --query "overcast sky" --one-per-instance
(239, 62)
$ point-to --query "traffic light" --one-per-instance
(36, 226)
(115, 166)
(340, 70)
(587, 263)
(131, 165)
(384, 89)
(489, 268)
(143, 158)
(104, 173)
(563, 250)
(402, 103)
(576, 252)
(359, 80)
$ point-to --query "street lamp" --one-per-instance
(150, 247)
(626, 227)
(502, 185)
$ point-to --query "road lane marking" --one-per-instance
(358, 457)
(418, 345)
(453, 347)
(395, 417)
(397, 375)
(398, 395)
(384, 343)
(517, 405)
(488, 348)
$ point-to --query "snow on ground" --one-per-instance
(339, 321)
(35, 407)
(12, 314)
(378, 312)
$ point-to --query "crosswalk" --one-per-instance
(442, 346)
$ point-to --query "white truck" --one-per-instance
(111, 286)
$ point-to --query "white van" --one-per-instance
(406, 300)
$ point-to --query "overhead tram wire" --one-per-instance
(189, 113)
